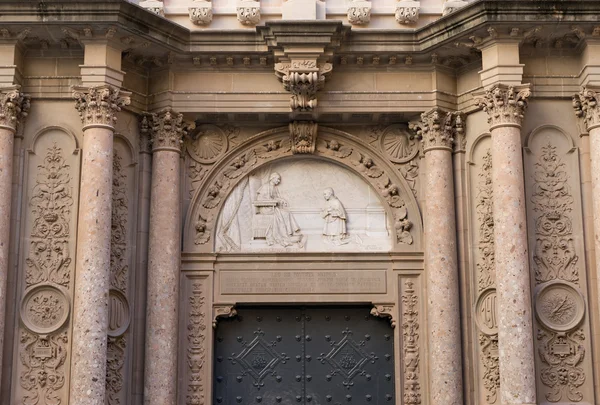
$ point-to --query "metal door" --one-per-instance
(310, 356)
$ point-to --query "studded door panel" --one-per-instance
(334, 355)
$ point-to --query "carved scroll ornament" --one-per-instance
(410, 344)
(359, 12)
(248, 12)
(303, 78)
(385, 311)
(303, 136)
(201, 12)
(217, 183)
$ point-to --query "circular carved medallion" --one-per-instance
(209, 144)
(398, 144)
(118, 313)
(486, 313)
(44, 309)
(559, 306)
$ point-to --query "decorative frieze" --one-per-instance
(407, 11)
(437, 128)
(359, 12)
(201, 12)
(585, 104)
(98, 106)
(303, 136)
(505, 105)
(248, 12)
(303, 78)
(14, 106)
(410, 344)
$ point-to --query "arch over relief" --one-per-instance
(332, 145)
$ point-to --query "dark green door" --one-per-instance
(310, 355)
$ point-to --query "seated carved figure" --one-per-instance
(271, 220)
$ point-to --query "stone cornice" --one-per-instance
(14, 107)
(505, 105)
(585, 104)
(438, 129)
(166, 129)
(98, 106)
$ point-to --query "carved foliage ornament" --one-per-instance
(410, 344)
(45, 308)
(559, 305)
(303, 78)
(99, 105)
(438, 129)
(166, 129)
(359, 12)
(385, 311)
(303, 136)
(407, 12)
(248, 12)
(196, 350)
(586, 107)
(219, 187)
(14, 106)
(201, 12)
(505, 104)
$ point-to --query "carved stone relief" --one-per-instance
(118, 304)
(201, 12)
(248, 12)
(564, 364)
(359, 12)
(401, 147)
(290, 205)
(410, 344)
(485, 280)
(238, 174)
(46, 270)
(197, 332)
(303, 78)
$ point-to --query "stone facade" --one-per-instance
(167, 165)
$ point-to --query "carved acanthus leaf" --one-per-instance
(14, 107)
(99, 105)
(303, 78)
(167, 129)
(585, 104)
(505, 104)
(437, 128)
(303, 136)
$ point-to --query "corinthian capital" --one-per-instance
(438, 129)
(167, 129)
(98, 106)
(505, 105)
(14, 107)
(585, 104)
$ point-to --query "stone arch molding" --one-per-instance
(404, 218)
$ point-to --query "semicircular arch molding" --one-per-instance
(334, 146)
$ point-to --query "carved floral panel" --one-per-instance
(46, 270)
(557, 262)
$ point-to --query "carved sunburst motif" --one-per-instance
(208, 145)
(399, 144)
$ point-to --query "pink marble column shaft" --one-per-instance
(164, 251)
(515, 330)
(443, 309)
(13, 107)
(506, 106)
(97, 107)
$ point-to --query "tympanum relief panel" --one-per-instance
(236, 188)
(558, 275)
(46, 269)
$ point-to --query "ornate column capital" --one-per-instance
(98, 106)
(14, 107)
(438, 129)
(585, 104)
(505, 105)
(166, 129)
